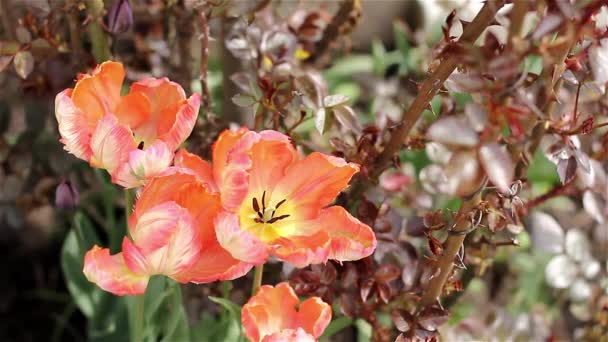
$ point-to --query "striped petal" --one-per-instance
(143, 165)
(111, 144)
(241, 244)
(73, 126)
(98, 94)
(314, 316)
(271, 310)
(351, 239)
(271, 315)
(110, 272)
(314, 182)
(184, 122)
(200, 167)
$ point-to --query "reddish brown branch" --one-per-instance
(204, 61)
(432, 84)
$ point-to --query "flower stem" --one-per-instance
(257, 279)
(99, 41)
(138, 318)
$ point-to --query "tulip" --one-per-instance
(271, 316)
(120, 17)
(171, 233)
(66, 195)
(134, 136)
(277, 203)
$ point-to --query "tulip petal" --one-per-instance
(270, 157)
(172, 117)
(184, 122)
(74, 129)
(133, 110)
(302, 251)
(215, 263)
(111, 144)
(202, 169)
(143, 165)
(239, 243)
(290, 335)
(168, 237)
(221, 147)
(351, 239)
(314, 316)
(164, 188)
(270, 311)
(111, 273)
(314, 182)
(98, 94)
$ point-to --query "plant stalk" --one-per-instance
(101, 48)
(432, 84)
(451, 247)
(257, 279)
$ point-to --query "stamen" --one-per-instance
(263, 201)
(256, 206)
(260, 215)
(275, 219)
(279, 204)
(140, 146)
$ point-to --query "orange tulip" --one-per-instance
(277, 203)
(271, 316)
(132, 136)
(172, 234)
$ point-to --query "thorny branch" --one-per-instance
(347, 10)
(431, 86)
(203, 66)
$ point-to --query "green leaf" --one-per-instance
(336, 326)
(403, 45)
(227, 304)
(176, 328)
(541, 170)
(157, 293)
(533, 64)
(378, 57)
(79, 240)
(364, 330)
(243, 100)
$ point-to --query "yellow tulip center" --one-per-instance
(265, 218)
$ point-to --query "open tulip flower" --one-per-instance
(278, 203)
(271, 316)
(134, 136)
(172, 234)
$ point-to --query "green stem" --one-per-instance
(129, 201)
(257, 279)
(101, 48)
(138, 319)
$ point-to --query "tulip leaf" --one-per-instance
(78, 241)
(176, 328)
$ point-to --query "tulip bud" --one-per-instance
(66, 196)
(120, 17)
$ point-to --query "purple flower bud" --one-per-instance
(120, 17)
(66, 195)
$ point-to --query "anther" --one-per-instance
(279, 204)
(140, 146)
(263, 201)
(275, 219)
(256, 206)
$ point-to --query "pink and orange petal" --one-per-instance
(273, 315)
(106, 129)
